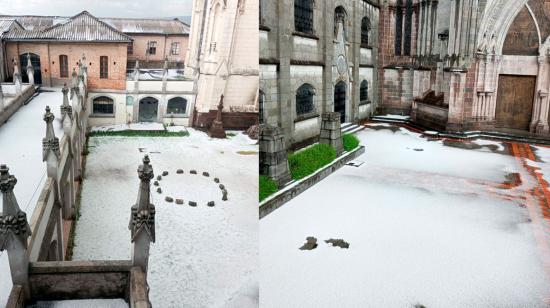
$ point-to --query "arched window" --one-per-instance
(177, 105)
(365, 31)
(303, 16)
(63, 66)
(261, 100)
(398, 27)
(103, 106)
(364, 91)
(304, 100)
(340, 17)
(408, 28)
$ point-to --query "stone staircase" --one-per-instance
(350, 128)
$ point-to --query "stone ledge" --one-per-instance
(289, 192)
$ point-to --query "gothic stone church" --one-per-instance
(451, 65)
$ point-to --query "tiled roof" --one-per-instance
(83, 27)
(6, 24)
(126, 25)
(148, 26)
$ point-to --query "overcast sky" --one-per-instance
(99, 8)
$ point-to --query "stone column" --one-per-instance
(330, 131)
(142, 219)
(30, 70)
(14, 231)
(273, 156)
(216, 130)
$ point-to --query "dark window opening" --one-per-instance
(398, 27)
(365, 30)
(364, 91)
(103, 105)
(152, 48)
(177, 105)
(304, 100)
(63, 66)
(303, 16)
(103, 67)
(130, 49)
(408, 28)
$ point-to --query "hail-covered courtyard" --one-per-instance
(429, 222)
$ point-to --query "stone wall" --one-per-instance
(164, 43)
(13, 103)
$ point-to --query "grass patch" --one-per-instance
(310, 160)
(267, 187)
(231, 134)
(350, 142)
(137, 133)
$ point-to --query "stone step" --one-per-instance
(352, 128)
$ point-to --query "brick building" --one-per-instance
(451, 65)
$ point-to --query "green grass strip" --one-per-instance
(267, 187)
(350, 142)
(308, 161)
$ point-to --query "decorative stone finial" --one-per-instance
(50, 142)
(143, 212)
(74, 78)
(29, 63)
(13, 221)
(216, 129)
(15, 67)
(66, 108)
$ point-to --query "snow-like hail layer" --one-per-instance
(91, 303)
(21, 150)
(422, 230)
(204, 256)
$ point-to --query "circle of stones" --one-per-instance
(191, 203)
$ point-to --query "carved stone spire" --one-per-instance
(16, 67)
(17, 77)
(74, 78)
(30, 70)
(217, 130)
(13, 221)
(66, 109)
(143, 212)
(142, 218)
(50, 143)
(14, 231)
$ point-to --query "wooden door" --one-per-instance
(515, 101)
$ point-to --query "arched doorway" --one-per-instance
(35, 61)
(148, 109)
(340, 100)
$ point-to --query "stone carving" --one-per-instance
(142, 218)
(66, 108)
(13, 221)
(216, 130)
(50, 143)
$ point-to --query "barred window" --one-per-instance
(303, 16)
(63, 66)
(103, 67)
(365, 31)
(175, 49)
(398, 27)
(177, 105)
(152, 47)
(103, 106)
(364, 91)
(408, 28)
(304, 100)
(261, 100)
(130, 49)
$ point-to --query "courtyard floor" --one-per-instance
(438, 223)
(203, 256)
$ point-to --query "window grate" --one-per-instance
(103, 105)
(303, 16)
(177, 105)
(304, 100)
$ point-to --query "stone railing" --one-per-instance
(37, 250)
(15, 94)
